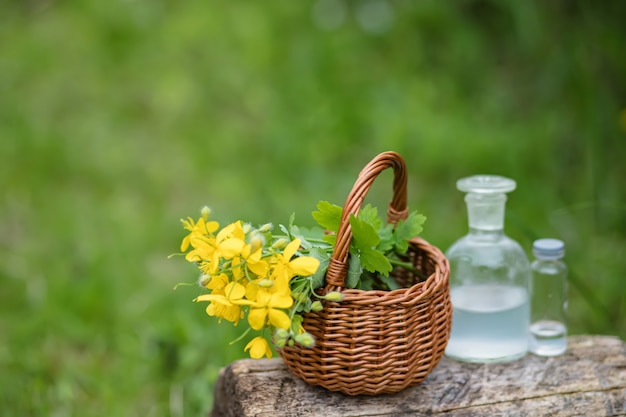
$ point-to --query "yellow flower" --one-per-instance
(203, 249)
(284, 268)
(230, 240)
(228, 243)
(232, 293)
(226, 303)
(218, 282)
(252, 261)
(267, 308)
(258, 348)
(196, 231)
(229, 312)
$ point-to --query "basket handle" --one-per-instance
(397, 209)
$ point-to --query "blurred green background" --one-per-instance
(118, 118)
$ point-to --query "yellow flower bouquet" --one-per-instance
(271, 279)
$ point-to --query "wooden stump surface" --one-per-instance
(588, 380)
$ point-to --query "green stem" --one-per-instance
(408, 266)
(241, 337)
(300, 287)
(185, 284)
(308, 239)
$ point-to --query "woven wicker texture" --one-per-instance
(375, 342)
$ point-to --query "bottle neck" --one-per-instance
(549, 260)
(485, 213)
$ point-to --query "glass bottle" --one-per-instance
(489, 279)
(548, 329)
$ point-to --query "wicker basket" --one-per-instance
(375, 342)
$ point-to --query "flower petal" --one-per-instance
(231, 248)
(255, 256)
(218, 282)
(279, 319)
(304, 265)
(259, 268)
(211, 227)
(229, 312)
(263, 297)
(281, 285)
(219, 299)
(235, 291)
(184, 244)
(281, 300)
(225, 232)
(256, 318)
(291, 249)
(258, 348)
(251, 292)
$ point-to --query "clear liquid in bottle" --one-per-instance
(548, 329)
(489, 280)
(489, 323)
(548, 338)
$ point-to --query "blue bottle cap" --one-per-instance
(548, 248)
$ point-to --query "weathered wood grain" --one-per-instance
(589, 380)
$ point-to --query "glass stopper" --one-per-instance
(486, 184)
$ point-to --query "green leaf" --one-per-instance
(296, 323)
(330, 239)
(354, 271)
(390, 283)
(288, 230)
(367, 284)
(364, 236)
(309, 232)
(387, 238)
(375, 261)
(304, 234)
(369, 215)
(285, 230)
(295, 233)
(408, 229)
(307, 305)
(328, 215)
(317, 279)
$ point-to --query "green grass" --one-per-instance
(118, 118)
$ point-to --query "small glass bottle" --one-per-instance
(489, 279)
(548, 329)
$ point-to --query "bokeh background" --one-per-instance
(118, 118)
